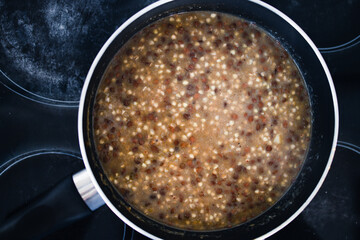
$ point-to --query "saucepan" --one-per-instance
(95, 188)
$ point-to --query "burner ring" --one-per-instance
(12, 162)
(11, 85)
(349, 146)
(341, 47)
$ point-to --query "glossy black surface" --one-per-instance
(328, 22)
(47, 46)
(28, 126)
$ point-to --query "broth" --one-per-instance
(202, 121)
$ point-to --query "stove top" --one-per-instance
(46, 49)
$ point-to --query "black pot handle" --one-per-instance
(70, 200)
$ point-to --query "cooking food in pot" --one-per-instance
(202, 121)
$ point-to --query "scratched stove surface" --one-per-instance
(46, 48)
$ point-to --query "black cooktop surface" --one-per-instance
(46, 49)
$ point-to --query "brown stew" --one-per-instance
(202, 121)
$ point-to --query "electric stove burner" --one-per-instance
(334, 213)
(331, 24)
(27, 176)
(47, 51)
